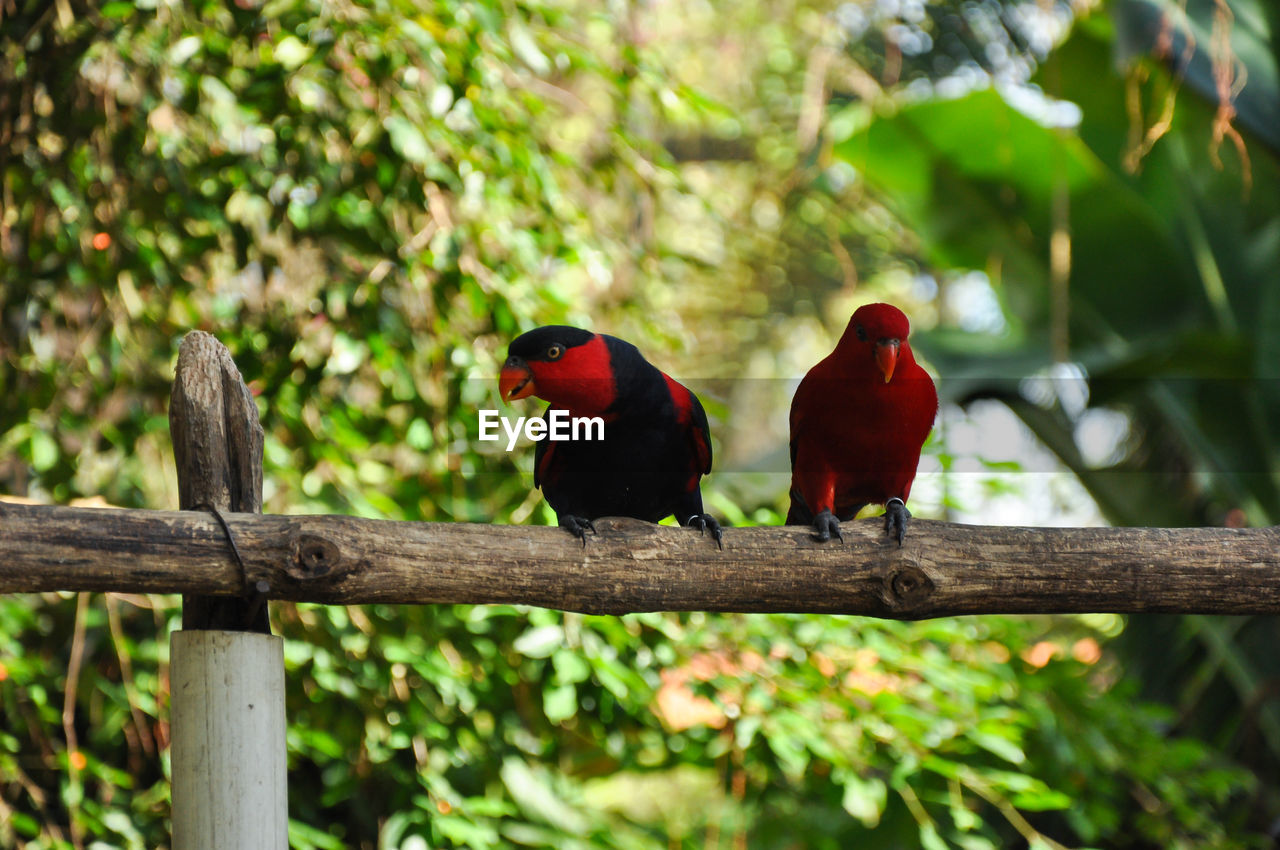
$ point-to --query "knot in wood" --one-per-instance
(314, 556)
(907, 587)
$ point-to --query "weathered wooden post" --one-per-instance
(227, 669)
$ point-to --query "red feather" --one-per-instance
(694, 422)
(582, 381)
(858, 420)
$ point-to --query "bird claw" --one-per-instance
(706, 522)
(826, 524)
(895, 518)
(578, 527)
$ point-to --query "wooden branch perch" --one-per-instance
(943, 569)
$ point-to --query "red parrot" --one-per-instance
(656, 444)
(858, 421)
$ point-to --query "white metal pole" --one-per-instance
(228, 741)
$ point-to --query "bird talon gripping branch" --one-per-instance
(578, 527)
(655, 445)
(827, 526)
(895, 518)
(858, 421)
(705, 523)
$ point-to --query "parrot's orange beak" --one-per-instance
(515, 381)
(887, 357)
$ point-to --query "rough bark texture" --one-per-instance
(217, 443)
(633, 566)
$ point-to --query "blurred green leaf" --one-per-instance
(534, 795)
(539, 641)
(864, 799)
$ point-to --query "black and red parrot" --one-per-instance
(858, 421)
(656, 444)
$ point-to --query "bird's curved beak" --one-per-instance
(887, 356)
(516, 380)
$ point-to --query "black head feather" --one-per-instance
(541, 343)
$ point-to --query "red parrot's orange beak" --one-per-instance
(516, 381)
(887, 357)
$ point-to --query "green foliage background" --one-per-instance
(366, 201)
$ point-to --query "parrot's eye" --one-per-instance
(861, 332)
(554, 352)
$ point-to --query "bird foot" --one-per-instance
(577, 526)
(826, 524)
(705, 523)
(895, 518)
